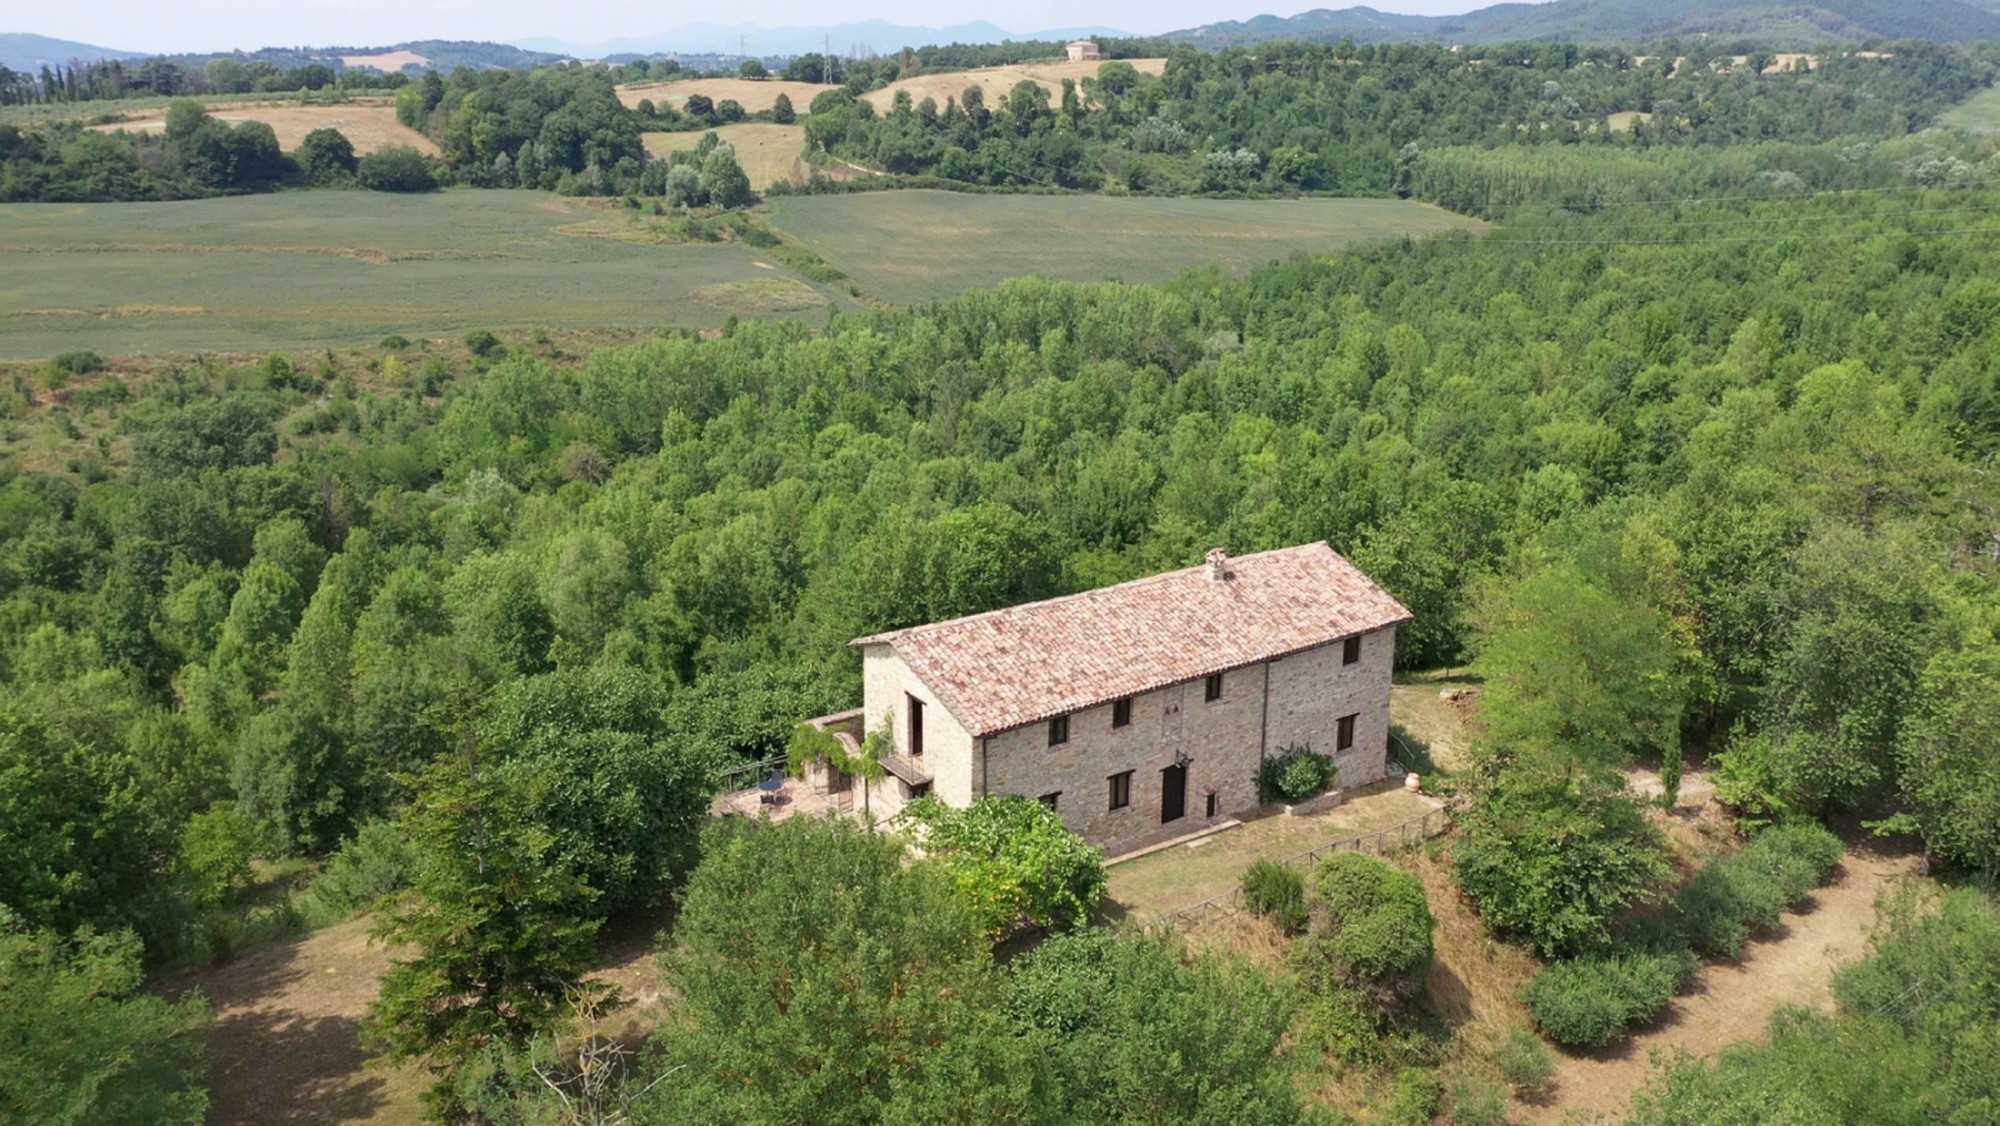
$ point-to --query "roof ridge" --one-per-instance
(890, 636)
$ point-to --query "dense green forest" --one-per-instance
(1292, 117)
(474, 634)
(1281, 119)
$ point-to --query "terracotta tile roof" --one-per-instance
(1006, 668)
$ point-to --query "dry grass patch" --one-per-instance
(369, 126)
(755, 95)
(1172, 879)
(995, 81)
(388, 62)
(768, 153)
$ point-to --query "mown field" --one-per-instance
(369, 126)
(758, 94)
(325, 268)
(911, 246)
(768, 153)
(1978, 114)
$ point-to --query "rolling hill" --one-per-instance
(1807, 22)
(21, 51)
(879, 36)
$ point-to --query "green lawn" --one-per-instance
(324, 268)
(1978, 114)
(912, 246)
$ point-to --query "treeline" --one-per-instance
(157, 77)
(1494, 182)
(195, 155)
(1292, 117)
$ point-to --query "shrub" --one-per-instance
(1369, 928)
(1294, 774)
(1590, 1002)
(1553, 852)
(481, 342)
(1476, 1102)
(1013, 860)
(1525, 1062)
(396, 169)
(1278, 892)
(375, 862)
(395, 342)
(78, 363)
(1413, 1099)
(1736, 897)
(1345, 1025)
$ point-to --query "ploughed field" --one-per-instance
(912, 246)
(324, 268)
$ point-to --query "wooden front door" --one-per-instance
(1173, 793)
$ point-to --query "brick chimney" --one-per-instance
(1218, 565)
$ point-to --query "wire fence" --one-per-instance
(1414, 831)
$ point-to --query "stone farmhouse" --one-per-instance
(1082, 50)
(1141, 711)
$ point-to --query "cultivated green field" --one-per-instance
(323, 268)
(1978, 114)
(911, 246)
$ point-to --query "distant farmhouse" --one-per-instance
(1141, 711)
(1082, 50)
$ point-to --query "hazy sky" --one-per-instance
(190, 25)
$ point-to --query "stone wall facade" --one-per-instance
(1264, 707)
(887, 684)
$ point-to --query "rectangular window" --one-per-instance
(1213, 804)
(1051, 799)
(916, 726)
(1121, 790)
(1350, 650)
(920, 790)
(1121, 712)
(1343, 732)
(1059, 730)
(1211, 689)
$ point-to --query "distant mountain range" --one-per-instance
(28, 52)
(878, 36)
(1598, 21)
(20, 51)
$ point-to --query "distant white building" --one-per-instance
(1082, 50)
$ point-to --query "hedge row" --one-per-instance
(1592, 1001)
(1738, 896)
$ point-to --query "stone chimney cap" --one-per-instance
(1218, 564)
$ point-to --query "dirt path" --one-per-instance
(286, 1043)
(1734, 1001)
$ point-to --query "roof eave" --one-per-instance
(1099, 702)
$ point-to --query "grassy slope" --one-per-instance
(1978, 114)
(308, 269)
(910, 246)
